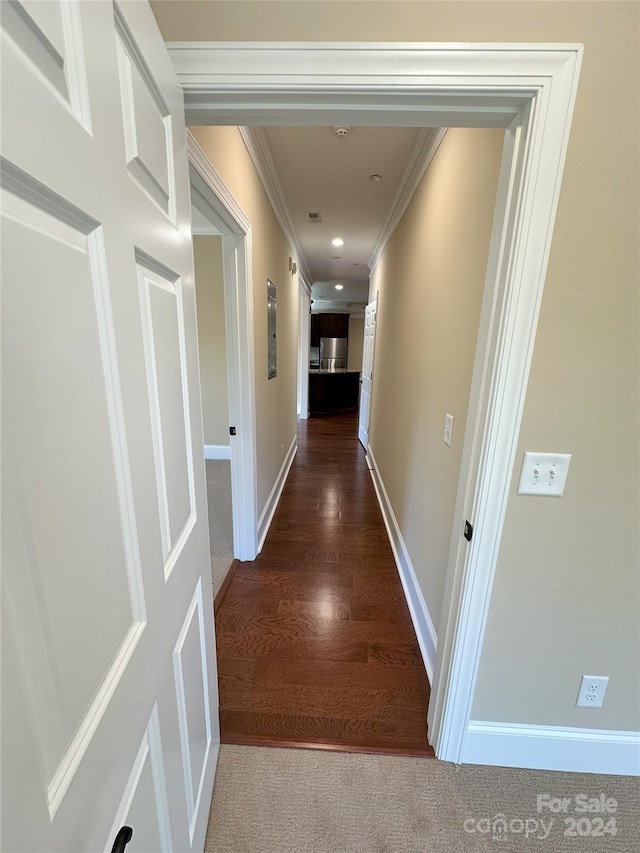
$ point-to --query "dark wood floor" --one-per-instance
(315, 643)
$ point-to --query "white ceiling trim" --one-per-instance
(204, 231)
(257, 145)
(422, 154)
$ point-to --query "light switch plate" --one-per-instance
(544, 474)
(448, 429)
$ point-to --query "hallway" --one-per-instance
(315, 643)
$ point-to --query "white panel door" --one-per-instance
(109, 689)
(367, 372)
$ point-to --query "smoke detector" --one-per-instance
(341, 131)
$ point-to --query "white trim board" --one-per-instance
(422, 622)
(528, 89)
(217, 451)
(304, 332)
(266, 517)
(324, 83)
(553, 748)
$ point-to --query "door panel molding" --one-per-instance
(193, 780)
(32, 206)
(149, 756)
(168, 283)
(151, 169)
(57, 58)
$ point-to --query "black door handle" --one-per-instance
(124, 836)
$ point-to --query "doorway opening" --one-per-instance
(331, 512)
(223, 218)
(529, 91)
(209, 286)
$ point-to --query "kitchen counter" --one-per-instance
(315, 370)
(333, 391)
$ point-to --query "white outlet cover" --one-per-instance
(592, 690)
(544, 474)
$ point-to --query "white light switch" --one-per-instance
(544, 474)
(448, 429)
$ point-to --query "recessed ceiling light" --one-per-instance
(375, 178)
(337, 241)
(339, 286)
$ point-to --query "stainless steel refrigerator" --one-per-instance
(333, 353)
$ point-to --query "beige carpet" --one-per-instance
(220, 519)
(304, 801)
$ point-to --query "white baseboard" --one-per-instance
(552, 748)
(217, 451)
(268, 512)
(422, 623)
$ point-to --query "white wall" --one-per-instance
(430, 282)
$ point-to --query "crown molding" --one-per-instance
(306, 287)
(423, 152)
(257, 144)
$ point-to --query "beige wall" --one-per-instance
(275, 398)
(207, 256)
(565, 598)
(430, 282)
(356, 341)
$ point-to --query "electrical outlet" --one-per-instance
(592, 690)
(282, 451)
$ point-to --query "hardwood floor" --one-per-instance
(315, 643)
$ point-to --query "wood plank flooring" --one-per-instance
(315, 643)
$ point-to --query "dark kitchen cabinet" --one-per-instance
(333, 392)
(334, 325)
(328, 326)
(315, 330)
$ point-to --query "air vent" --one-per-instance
(314, 216)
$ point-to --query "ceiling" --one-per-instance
(318, 171)
(200, 223)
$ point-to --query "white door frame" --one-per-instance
(213, 199)
(530, 91)
(304, 331)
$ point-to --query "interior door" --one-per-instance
(367, 371)
(109, 690)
